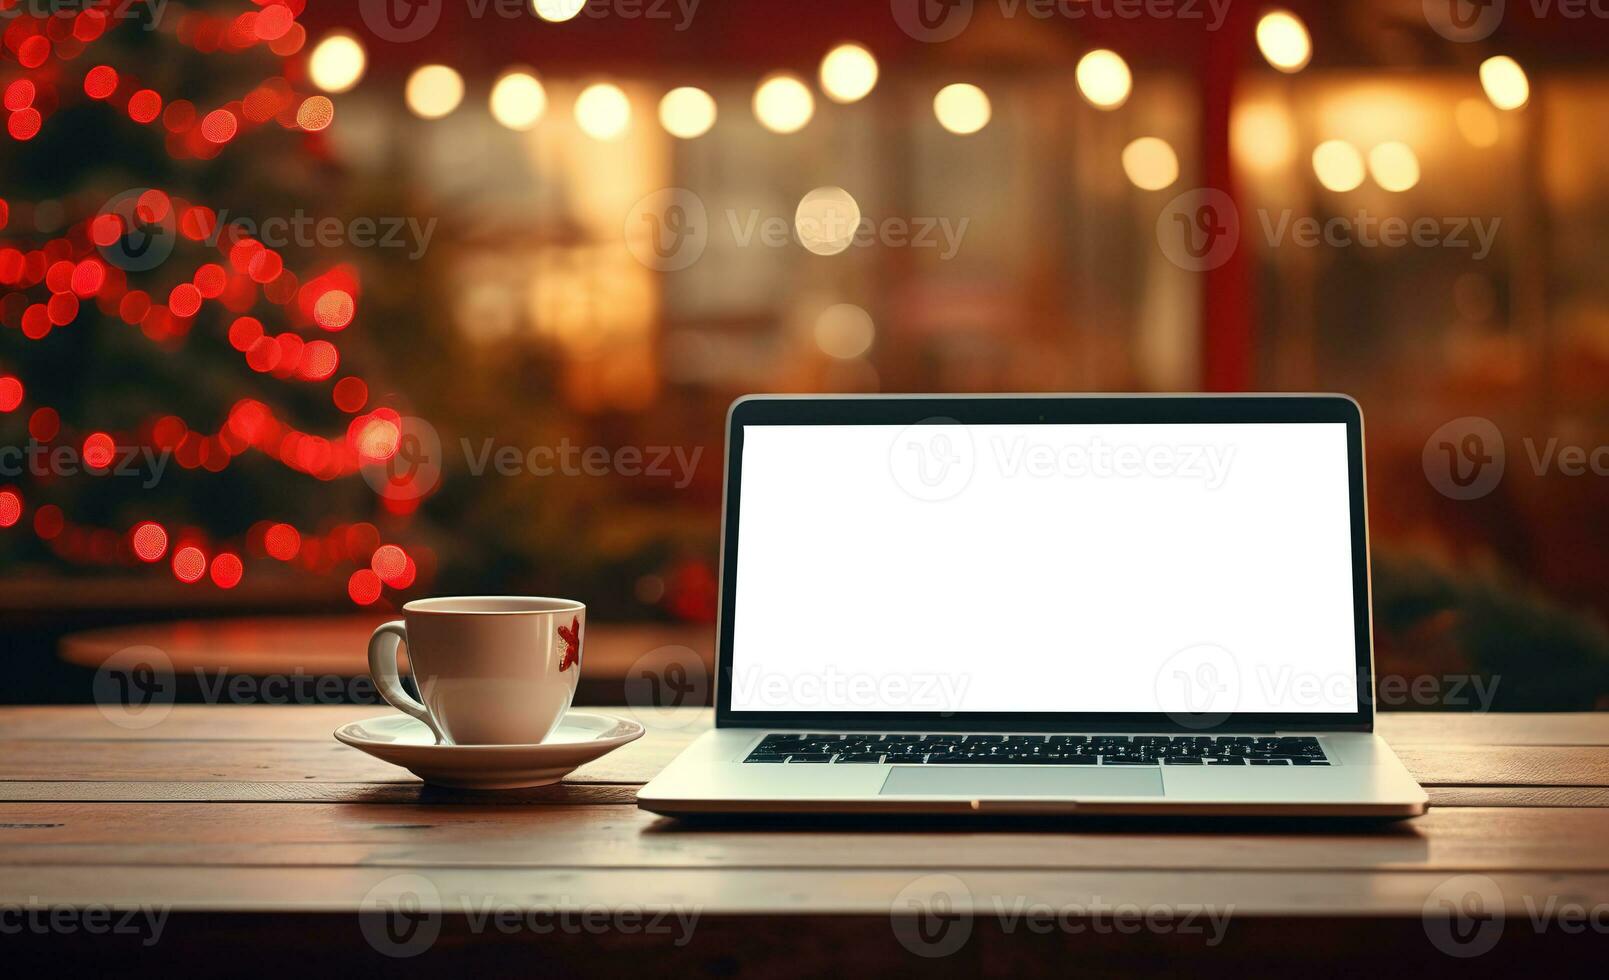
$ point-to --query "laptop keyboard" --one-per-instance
(1041, 750)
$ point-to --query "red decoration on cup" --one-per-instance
(572, 644)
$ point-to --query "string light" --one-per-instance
(783, 104)
(1104, 79)
(1504, 82)
(1338, 165)
(1283, 40)
(557, 11)
(1150, 163)
(518, 100)
(602, 111)
(848, 73)
(1394, 166)
(687, 112)
(433, 91)
(337, 63)
(962, 108)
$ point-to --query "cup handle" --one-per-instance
(383, 668)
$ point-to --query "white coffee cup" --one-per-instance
(491, 670)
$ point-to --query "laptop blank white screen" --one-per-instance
(1044, 568)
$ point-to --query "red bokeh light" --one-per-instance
(44, 424)
(100, 82)
(144, 105)
(62, 309)
(24, 124)
(88, 278)
(363, 586)
(272, 23)
(282, 541)
(48, 522)
(350, 394)
(388, 561)
(152, 206)
(150, 541)
(99, 450)
(219, 126)
(316, 113)
(245, 332)
(210, 280)
(36, 322)
(10, 507)
(334, 309)
(189, 564)
(19, 94)
(185, 300)
(319, 360)
(11, 392)
(34, 51)
(227, 570)
(106, 229)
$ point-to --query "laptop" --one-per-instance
(1046, 604)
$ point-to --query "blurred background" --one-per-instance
(312, 307)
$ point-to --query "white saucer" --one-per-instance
(403, 741)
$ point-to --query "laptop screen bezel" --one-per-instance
(1048, 409)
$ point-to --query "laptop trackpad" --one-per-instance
(1080, 781)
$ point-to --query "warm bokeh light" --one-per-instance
(783, 104)
(1505, 82)
(518, 100)
(1283, 40)
(1477, 122)
(962, 108)
(848, 73)
(149, 541)
(844, 331)
(282, 542)
(687, 112)
(1150, 163)
(1338, 165)
(826, 220)
(1394, 165)
(227, 570)
(189, 564)
(337, 63)
(602, 111)
(1104, 79)
(433, 91)
(557, 11)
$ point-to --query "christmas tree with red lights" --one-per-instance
(145, 325)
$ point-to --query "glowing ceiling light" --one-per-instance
(337, 63)
(783, 104)
(1283, 40)
(962, 108)
(1394, 165)
(848, 73)
(433, 91)
(687, 112)
(1104, 78)
(1338, 165)
(602, 111)
(518, 100)
(1505, 82)
(1150, 163)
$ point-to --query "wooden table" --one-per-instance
(264, 841)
